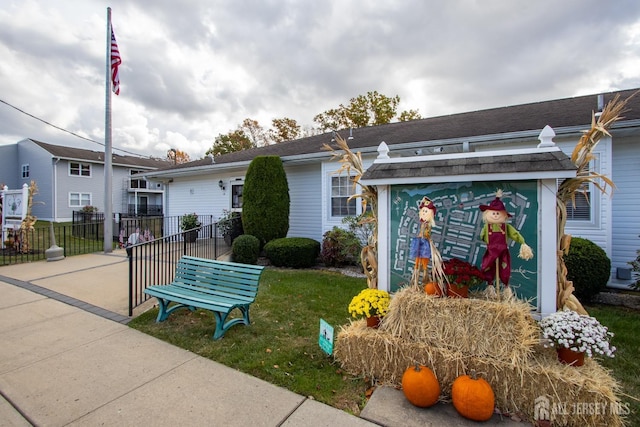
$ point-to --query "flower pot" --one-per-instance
(570, 357)
(190, 236)
(373, 322)
(455, 291)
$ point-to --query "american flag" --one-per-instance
(115, 63)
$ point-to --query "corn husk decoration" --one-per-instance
(352, 163)
(571, 188)
(26, 226)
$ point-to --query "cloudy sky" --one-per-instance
(194, 69)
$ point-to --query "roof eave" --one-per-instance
(520, 176)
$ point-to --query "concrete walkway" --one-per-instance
(68, 358)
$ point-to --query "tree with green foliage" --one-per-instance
(284, 129)
(371, 109)
(265, 205)
(230, 143)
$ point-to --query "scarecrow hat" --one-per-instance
(427, 203)
(496, 205)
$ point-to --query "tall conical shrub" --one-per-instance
(265, 204)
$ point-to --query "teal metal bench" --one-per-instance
(218, 286)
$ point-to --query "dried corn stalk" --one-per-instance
(572, 187)
(26, 227)
(352, 163)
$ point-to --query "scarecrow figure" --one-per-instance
(422, 248)
(496, 262)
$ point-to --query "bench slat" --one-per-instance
(215, 293)
(218, 286)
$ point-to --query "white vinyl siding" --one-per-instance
(625, 209)
(305, 212)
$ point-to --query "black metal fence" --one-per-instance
(32, 245)
(88, 225)
(151, 227)
(144, 210)
(81, 237)
(154, 262)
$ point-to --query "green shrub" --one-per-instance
(635, 267)
(361, 225)
(246, 249)
(340, 247)
(588, 267)
(294, 252)
(230, 225)
(265, 199)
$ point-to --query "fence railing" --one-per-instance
(154, 262)
(85, 237)
(31, 245)
(144, 210)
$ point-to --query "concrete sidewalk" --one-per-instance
(63, 365)
(68, 358)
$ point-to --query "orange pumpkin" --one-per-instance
(473, 397)
(420, 386)
(432, 288)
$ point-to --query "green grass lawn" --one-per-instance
(625, 366)
(281, 345)
(40, 241)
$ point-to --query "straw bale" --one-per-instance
(463, 324)
(376, 353)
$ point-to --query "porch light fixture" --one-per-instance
(221, 185)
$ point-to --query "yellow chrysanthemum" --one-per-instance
(370, 302)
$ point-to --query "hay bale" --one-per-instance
(463, 324)
(518, 378)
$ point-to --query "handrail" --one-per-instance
(153, 262)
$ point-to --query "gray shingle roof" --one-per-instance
(437, 166)
(98, 157)
(566, 112)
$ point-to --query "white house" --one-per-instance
(70, 178)
(319, 196)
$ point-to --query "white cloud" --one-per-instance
(195, 69)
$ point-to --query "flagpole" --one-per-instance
(108, 208)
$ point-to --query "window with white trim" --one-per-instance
(25, 171)
(79, 200)
(341, 190)
(136, 182)
(581, 210)
(79, 169)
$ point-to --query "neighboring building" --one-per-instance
(70, 178)
(319, 197)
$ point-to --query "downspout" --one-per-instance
(55, 189)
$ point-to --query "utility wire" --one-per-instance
(67, 131)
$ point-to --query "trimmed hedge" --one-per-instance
(294, 252)
(265, 199)
(246, 249)
(588, 267)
